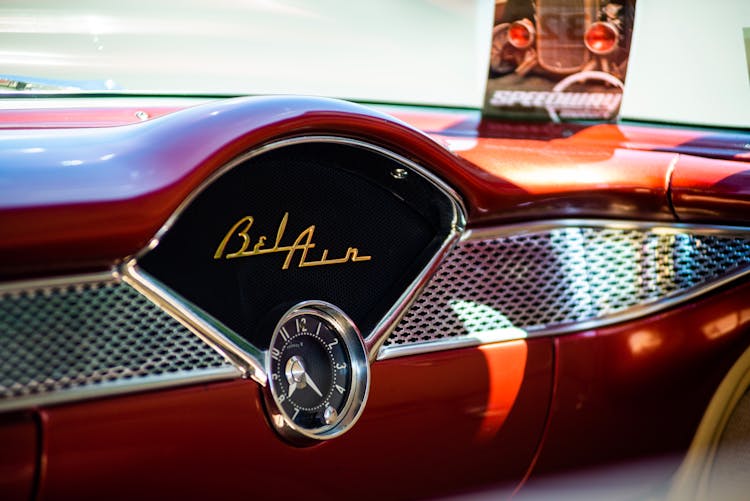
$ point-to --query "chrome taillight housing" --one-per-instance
(601, 38)
(521, 34)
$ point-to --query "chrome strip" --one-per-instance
(121, 387)
(241, 353)
(630, 313)
(664, 228)
(496, 336)
(218, 335)
(61, 281)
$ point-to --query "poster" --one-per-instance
(559, 59)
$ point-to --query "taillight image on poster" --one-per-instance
(559, 59)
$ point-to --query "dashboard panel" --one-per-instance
(530, 299)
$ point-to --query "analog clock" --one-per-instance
(318, 375)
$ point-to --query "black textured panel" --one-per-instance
(347, 193)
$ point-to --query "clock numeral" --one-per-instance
(334, 343)
(275, 377)
(275, 353)
(340, 388)
(301, 324)
(296, 411)
(285, 334)
(282, 397)
(340, 366)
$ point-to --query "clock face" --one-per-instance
(317, 372)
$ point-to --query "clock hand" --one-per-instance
(292, 387)
(312, 384)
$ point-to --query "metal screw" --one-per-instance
(399, 173)
(142, 116)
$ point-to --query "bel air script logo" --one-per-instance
(302, 244)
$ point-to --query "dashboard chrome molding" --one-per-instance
(98, 379)
(241, 353)
(247, 356)
(504, 330)
(173, 380)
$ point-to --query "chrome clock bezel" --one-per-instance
(354, 404)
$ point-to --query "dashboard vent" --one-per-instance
(63, 342)
(560, 279)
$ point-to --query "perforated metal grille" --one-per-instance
(71, 337)
(562, 277)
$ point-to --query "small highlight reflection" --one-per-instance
(644, 342)
(506, 362)
(726, 324)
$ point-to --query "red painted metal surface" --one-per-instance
(637, 391)
(710, 143)
(84, 198)
(562, 178)
(18, 456)
(715, 191)
(74, 118)
(433, 424)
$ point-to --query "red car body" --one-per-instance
(492, 419)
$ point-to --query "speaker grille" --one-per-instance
(558, 279)
(93, 336)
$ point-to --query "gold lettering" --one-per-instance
(243, 234)
(303, 243)
(297, 246)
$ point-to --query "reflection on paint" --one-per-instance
(506, 367)
(460, 144)
(644, 342)
(726, 324)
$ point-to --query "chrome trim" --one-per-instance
(121, 387)
(241, 353)
(216, 334)
(497, 336)
(666, 228)
(61, 281)
(631, 313)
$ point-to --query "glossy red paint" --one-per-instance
(85, 198)
(74, 118)
(424, 432)
(18, 456)
(712, 143)
(637, 391)
(714, 191)
(725, 144)
(562, 178)
(88, 197)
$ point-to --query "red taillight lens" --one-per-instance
(601, 38)
(521, 34)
